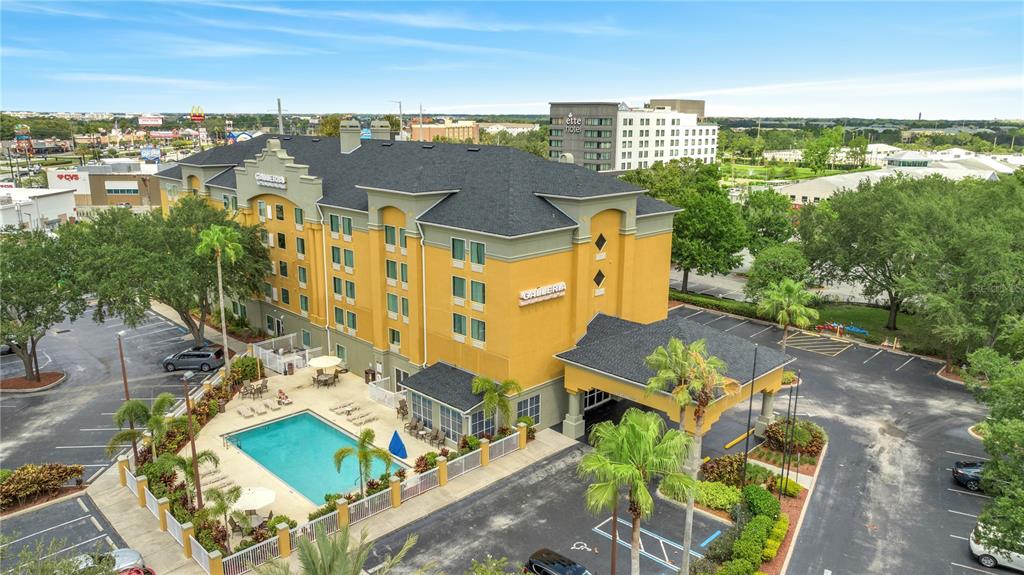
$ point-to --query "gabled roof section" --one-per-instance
(225, 179)
(648, 206)
(447, 384)
(172, 173)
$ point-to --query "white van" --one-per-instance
(990, 557)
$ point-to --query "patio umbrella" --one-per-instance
(253, 498)
(396, 447)
(324, 362)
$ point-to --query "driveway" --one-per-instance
(71, 527)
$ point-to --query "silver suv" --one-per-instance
(203, 359)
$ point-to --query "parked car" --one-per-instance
(990, 557)
(547, 562)
(968, 474)
(203, 359)
(120, 561)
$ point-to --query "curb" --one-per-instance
(59, 381)
(939, 375)
(972, 433)
(800, 521)
(696, 509)
(61, 499)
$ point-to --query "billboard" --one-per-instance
(149, 152)
(151, 121)
(162, 134)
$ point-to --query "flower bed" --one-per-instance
(31, 484)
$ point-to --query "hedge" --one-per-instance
(789, 487)
(30, 481)
(727, 305)
(760, 501)
(750, 544)
(737, 567)
(775, 437)
(775, 537)
(717, 495)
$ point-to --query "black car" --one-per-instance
(547, 562)
(968, 474)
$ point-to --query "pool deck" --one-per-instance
(239, 469)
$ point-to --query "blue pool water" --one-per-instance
(299, 450)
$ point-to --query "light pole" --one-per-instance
(192, 439)
(124, 380)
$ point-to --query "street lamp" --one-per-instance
(191, 438)
(124, 380)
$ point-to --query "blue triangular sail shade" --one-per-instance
(396, 447)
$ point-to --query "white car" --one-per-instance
(990, 557)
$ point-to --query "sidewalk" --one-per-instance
(210, 333)
(137, 526)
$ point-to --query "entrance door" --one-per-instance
(278, 327)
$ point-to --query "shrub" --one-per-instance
(788, 378)
(717, 495)
(736, 567)
(760, 501)
(750, 544)
(30, 481)
(702, 566)
(5, 474)
(468, 444)
(531, 431)
(809, 439)
(725, 469)
(789, 487)
(771, 549)
(246, 368)
(758, 474)
(279, 519)
(720, 549)
(425, 462)
(727, 305)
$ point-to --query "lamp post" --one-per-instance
(124, 380)
(192, 439)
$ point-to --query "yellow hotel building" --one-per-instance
(433, 263)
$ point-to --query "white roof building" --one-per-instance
(36, 208)
(817, 189)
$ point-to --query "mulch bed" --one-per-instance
(954, 376)
(804, 468)
(790, 506)
(246, 339)
(672, 304)
(43, 499)
(23, 383)
(717, 513)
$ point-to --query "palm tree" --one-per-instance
(496, 394)
(148, 419)
(691, 376)
(787, 303)
(187, 467)
(366, 453)
(603, 495)
(634, 453)
(336, 555)
(225, 243)
(221, 501)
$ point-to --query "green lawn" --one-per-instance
(778, 172)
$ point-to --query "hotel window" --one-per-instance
(458, 324)
(346, 225)
(285, 296)
(350, 259)
(477, 292)
(423, 410)
(223, 198)
(282, 242)
(451, 423)
(389, 235)
(300, 246)
(303, 303)
(401, 238)
(391, 269)
(405, 307)
(394, 337)
(335, 223)
(458, 249)
(404, 272)
(282, 268)
(279, 212)
(302, 274)
(350, 289)
(264, 236)
(336, 255)
(458, 287)
(337, 286)
(261, 207)
(339, 316)
(529, 407)
(555, 132)
(234, 202)
(298, 216)
(478, 330)
(480, 425)
(555, 143)
(351, 319)
(392, 303)
(342, 353)
(307, 339)
(476, 252)
(268, 290)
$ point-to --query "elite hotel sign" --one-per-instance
(527, 297)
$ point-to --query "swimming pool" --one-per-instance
(299, 450)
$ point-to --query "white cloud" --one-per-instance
(52, 9)
(17, 52)
(185, 84)
(182, 47)
(428, 67)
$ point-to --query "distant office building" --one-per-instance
(452, 130)
(607, 136)
(36, 208)
(116, 182)
(511, 128)
(877, 154)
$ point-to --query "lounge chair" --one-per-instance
(245, 411)
(259, 409)
(367, 419)
(355, 412)
(271, 405)
(342, 406)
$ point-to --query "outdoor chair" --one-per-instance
(235, 527)
(259, 409)
(271, 406)
(438, 438)
(264, 385)
(245, 411)
(354, 412)
(412, 423)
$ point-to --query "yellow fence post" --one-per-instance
(143, 483)
(284, 539)
(442, 470)
(187, 531)
(122, 467)
(164, 510)
(342, 512)
(396, 491)
(216, 563)
(523, 432)
(485, 451)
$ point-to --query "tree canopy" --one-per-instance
(774, 264)
(769, 219)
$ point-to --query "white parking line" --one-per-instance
(967, 493)
(96, 524)
(873, 357)
(737, 325)
(84, 446)
(972, 568)
(149, 333)
(694, 314)
(762, 331)
(73, 546)
(904, 364)
(94, 476)
(967, 455)
(707, 290)
(714, 320)
(958, 537)
(962, 513)
(40, 532)
(82, 505)
(99, 429)
(110, 542)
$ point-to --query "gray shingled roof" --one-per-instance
(619, 347)
(172, 173)
(497, 187)
(447, 384)
(225, 179)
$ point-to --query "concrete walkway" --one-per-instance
(210, 333)
(139, 529)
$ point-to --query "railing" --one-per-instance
(276, 354)
(380, 393)
(369, 506)
(196, 394)
(133, 483)
(174, 528)
(464, 464)
(421, 483)
(151, 504)
(201, 555)
(329, 523)
(504, 446)
(251, 557)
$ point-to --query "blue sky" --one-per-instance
(944, 60)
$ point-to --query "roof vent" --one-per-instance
(428, 146)
(286, 137)
(316, 139)
(386, 144)
(472, 149)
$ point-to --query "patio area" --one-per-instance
(237, 468)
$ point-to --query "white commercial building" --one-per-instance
(511, 128)
(36, 208)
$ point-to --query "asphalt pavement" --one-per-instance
(70, 527)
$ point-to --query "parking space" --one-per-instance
(821, 344)
(72, 422)
(70, 527)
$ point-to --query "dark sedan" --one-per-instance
(968, 474)
(547, 562)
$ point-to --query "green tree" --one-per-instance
(147, 420)
(857, 152)
(819, 153)
(186, 466)
(220, 501)
(603, 494)
(47, 558)
(336, 554)
(788, 303)
(394, 121)
(330, 125)
(365, 453)
(38, 289)
(774, 264)
(692, 377)
(769, 219)
(494, 566)
(637, 452)
(224, 243)
(495, 396)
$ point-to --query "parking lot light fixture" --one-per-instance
(127, 397)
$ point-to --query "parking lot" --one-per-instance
(71, 527)
(72, 423)
(543, 507)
